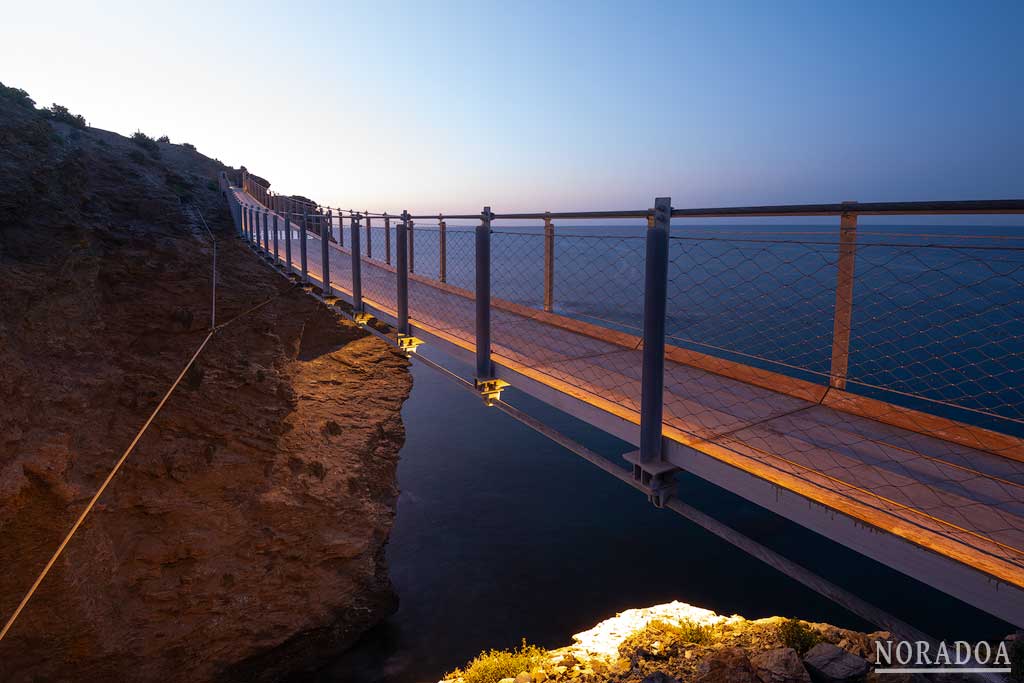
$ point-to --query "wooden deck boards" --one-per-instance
(965, 503)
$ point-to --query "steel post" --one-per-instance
(357, 267)
(266, 230)
(402, 272)
(442, 238)
(655, 303)
(325, 255)
(844, 298)
(484, 369)
(549, 263)
(302, 246)
(412, 246)
(369, 238)
(288, 240)
(387, 239)
(276, 258)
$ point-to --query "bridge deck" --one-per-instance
(961, 502)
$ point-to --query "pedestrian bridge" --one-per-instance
(866, 384)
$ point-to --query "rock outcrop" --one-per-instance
(680, 643)
(245, 535)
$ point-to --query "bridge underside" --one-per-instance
(946, 511)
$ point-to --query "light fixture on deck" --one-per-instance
(362, 318)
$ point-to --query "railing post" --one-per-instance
(844, 297)
(484, 368)
(412, 247)
(549, 262)
(369, 237)
(357, 267)
(325, 253)
(277, 259)
(442, 269)
(302, 244)
(341, 227)
(387, 239)
(248, 223)
(288, 240)
(402, 273)
(655, 304)
(266, 230)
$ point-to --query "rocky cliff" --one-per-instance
(245, 536)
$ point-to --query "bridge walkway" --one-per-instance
(960, 497)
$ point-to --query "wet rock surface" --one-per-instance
(245, 536)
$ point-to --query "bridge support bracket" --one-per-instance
(331, 300)
(362, 318)
(408, 344)
(658, 477)
(490, 389)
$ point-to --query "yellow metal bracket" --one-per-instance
(362, 318)
(408, 344)
(331, 300)
(490, 389)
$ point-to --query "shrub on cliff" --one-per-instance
(798, 635)
(491, 667)
(17, 95)
(663, 640)
(164, 138)
(145, 142)
(59, 112)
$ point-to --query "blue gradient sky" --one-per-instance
(560, 106)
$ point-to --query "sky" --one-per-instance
(534, 106)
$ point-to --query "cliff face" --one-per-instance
(245, 535)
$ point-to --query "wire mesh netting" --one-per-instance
(594, 285)
(448, 306)
(934, 325)
(941, 324)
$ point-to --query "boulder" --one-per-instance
(828, 663)
(781, 665)
(729, 665)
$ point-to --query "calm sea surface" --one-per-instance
(502, 535)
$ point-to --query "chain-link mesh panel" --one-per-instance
(448, 307)
(382, 242)
(594, 285)
(941, 323)
(765, 302)
(932, 327)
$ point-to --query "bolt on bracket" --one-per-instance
(408, 344)
(657, 477)
(490, 389)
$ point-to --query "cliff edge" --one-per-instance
(245, 536)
